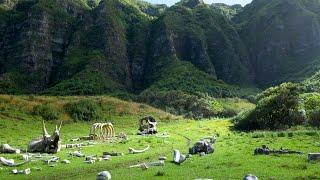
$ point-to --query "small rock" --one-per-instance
(104, 175)
(178, 158)
(113, 153)
(77, 154)
(27, 171)
(314, 156)
(15, 171)
(250, 177)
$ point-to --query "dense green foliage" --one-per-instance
(46, 111)
(84, 110)
(277, 108)
(194, 106)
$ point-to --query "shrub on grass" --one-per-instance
(277, 108)
(46, 111)
(84, 110)
(314, 118)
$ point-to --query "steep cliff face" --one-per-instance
(107, 46)
(35, 36)
(203, 37)
(283, 38)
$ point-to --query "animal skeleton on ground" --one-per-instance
(102, 131)
(47, 143)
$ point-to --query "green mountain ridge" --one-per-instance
(93, 47)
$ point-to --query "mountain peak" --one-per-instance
(191, 3)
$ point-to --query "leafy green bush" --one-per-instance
(46, 111)
(84, 110)
(177, 102)
(314, 118)
(277, 108)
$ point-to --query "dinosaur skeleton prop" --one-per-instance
(204, 146)
(148, 125)
(6, 148)
(102, 131)
(134, 151)
(264, 150)
(46, 144)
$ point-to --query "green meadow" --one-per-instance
(233, 157)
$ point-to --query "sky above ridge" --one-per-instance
(230, 2)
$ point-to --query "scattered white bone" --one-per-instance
(77, 154)
(15, 171)
(113, 153)
(211, 140)
(162, 158)
(38, 156)
(147, 165)
(178, 157)
(134, 151)
(75, 139)
(90, 161)
(6, 148)
(66, 161)
(54, 159)
(26, 171)
(25, 157)
(104, 175)
(106, 157)
(10, 162)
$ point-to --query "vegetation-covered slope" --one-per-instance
(131, 48)
(282, 37)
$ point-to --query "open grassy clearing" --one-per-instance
(232, 159)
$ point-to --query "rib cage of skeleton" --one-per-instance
(102, 131)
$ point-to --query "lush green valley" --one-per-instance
(248, 75)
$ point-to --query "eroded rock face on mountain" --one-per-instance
(97, 47)
(34, 42)
(282, 38)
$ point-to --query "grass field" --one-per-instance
(232, 159)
